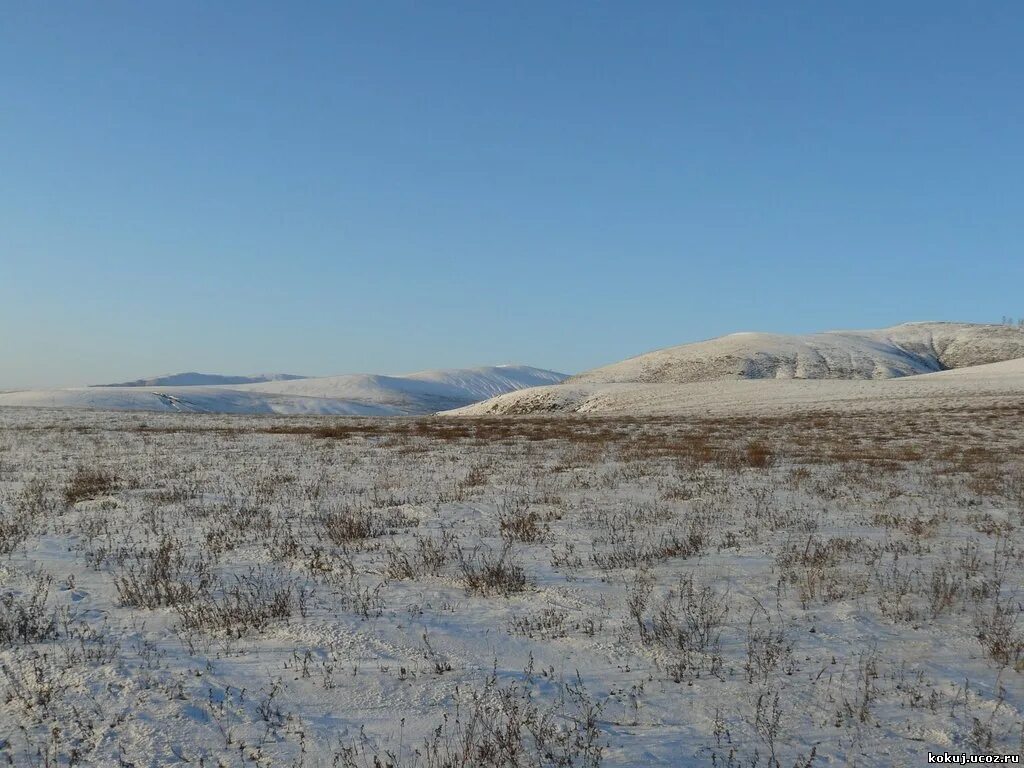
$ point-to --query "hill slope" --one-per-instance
(992, 385)
(903, 350)
(358, 395)
(423, 392)
(191, 399)
(884, 369)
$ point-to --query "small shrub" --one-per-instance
(485, 573)
(25, 619)
(758, 455)
(1001, 636)
(162, 577)
(687, 623)
(521, 525)
(427, 558)
(347, 524)
(241, 604)
(88, 484)
(499, 726)
(631, 550)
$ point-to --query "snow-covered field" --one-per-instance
(811, 587)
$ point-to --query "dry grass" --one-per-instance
(88, 483)
(695, 560)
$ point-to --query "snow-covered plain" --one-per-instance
(353, 395)
(806, 588)
(766, 553)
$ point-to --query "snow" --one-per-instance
(903, 350)
(987, 385)
(193, 379)
(981, 374)
(191, 399)
(774, 571)
(842, 593)
(357, 395)
(892, 369)
(421, 392)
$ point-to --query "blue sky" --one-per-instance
(330, 187)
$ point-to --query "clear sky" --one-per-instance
(330, 187)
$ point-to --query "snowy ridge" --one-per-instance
(903, 350)
(422, 392)
(193, 379)
(190, 399)
(890, 369)
(356, 395)
(995, 384)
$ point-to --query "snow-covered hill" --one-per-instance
(423, 392)
(995, 384)
(188, 400)
(193, 379)
(903, 350)
(887, 369)
(357, 395)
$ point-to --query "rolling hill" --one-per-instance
(753, 371)
(423, 392)
(355, 395)
(193, 379)
(903, 350)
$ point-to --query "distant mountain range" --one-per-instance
(355, 395)
(193, 379)
(740, 371)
